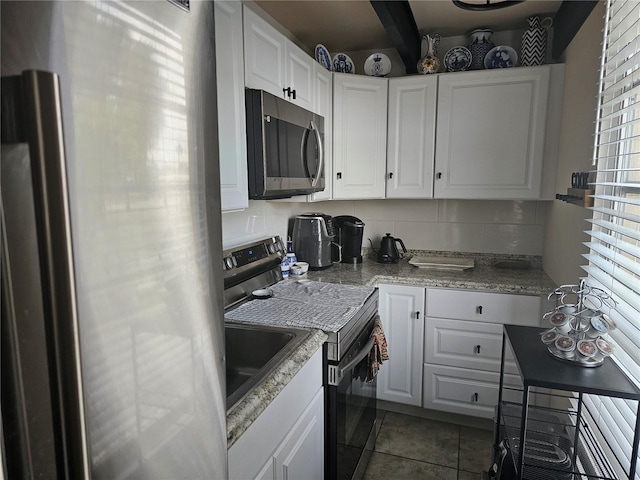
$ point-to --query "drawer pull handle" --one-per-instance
(478, 349)
(475, 397)
(479, 309)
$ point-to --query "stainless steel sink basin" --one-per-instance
(253, 352)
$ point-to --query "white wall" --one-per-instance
(510, 227)
(562, 248)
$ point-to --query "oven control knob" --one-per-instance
(272, 248)
(228, 263)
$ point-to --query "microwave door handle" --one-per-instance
(320, 153)
(303, 150)
(360, 355)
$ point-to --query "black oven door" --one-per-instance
(351, 413)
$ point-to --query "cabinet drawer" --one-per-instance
(467, 392)
(483, 306)
(460, 343)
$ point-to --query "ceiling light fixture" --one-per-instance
(488, 5)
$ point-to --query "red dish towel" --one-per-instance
(379, 353)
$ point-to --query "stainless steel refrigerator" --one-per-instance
(112, 323)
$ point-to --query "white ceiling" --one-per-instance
(352, 25)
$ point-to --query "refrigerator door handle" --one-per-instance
(32, 113)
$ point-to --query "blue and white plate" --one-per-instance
(323, 57)
(457, 59)
(501, 56)
(377, 65)
(342, 63)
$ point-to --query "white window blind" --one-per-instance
(614, 246)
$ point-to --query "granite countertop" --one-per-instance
(247, 410)
(484, 276)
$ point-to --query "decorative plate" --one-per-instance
(377, 65)
(323, 57)
(342, 63)
(457, 59)
(501, 56)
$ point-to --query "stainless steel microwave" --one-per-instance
(285, 154)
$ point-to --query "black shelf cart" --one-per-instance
(541, 427)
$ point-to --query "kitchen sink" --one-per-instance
(252, 353)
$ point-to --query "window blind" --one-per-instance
(614, 245)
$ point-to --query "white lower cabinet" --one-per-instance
(445, 346)
(401, 310)
(463, 348)
(299, 456)
(287, 440)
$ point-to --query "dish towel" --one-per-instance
(379, 353)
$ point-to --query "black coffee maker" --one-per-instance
(349, 237)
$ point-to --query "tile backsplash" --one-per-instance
(483, 226)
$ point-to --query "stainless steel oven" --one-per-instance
(346, 313)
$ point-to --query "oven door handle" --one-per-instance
(360, 355)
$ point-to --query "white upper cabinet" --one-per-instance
(490, 137)
(231, 108)
(274, 64)
(324, 106)
(359, 136)
(300, 75)
(411, 136)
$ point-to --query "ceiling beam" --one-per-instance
(568, 20)
(397, 18)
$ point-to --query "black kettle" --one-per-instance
(388, 252)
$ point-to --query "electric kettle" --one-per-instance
(388, 252)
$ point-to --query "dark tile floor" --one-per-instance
(412, 448)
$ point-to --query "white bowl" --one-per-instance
(299, 268)
(262, 293)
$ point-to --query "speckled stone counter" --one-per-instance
(484, 276)
(247, 410)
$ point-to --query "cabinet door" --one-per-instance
(324, 106)
(264, 53)
(359, 136)
(411, 137)
(401, 310)
(302, 453)
(490, 135)
(299, 75)
(255, 453)
(231, 109)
